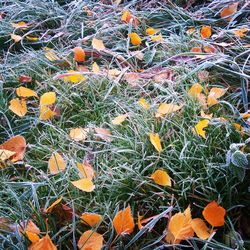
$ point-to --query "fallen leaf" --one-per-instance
(206, 32)
(78, 134)
(138, 54)
(32, 237)
(157, 38)
(113, 72)
(161, 177)
(84, 184)
(214, 94)
(196, 50)
(50, 54)
(19, 25)
(56, 163)
(166, 109)
(127, 17)
(91, 219)
(15, 144)
(134, 38)
(155, 140)
(190, 31)
(98, 44)
(95, 68)
(16, 38)
(214, 214)
(53, 205)
(43, 243)
(200, 228)
(25, 92)
(151, 31)
(143, 103)
(180, 226)
(123, 222)
(46, 113)
(86, 170)
(90, 240)
(132, 78)
(209, 49)
(229, 10)
(199, 128)
(5, 154)
(25, 79)
(79, 54)
(240, 32)
(18, 106)
(73, 77)
(141, 221)
(206, 116)
(48, 98)
(30, 229)
(119, 119)
(104, 134)
(195, 90)
(32, 38)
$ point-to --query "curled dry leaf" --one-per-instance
(43, 243)
(104, 134)
(206, 32)
(84, 184)
(91, 219)
(161, 177)
(200, 228)
(98, 44)
(79, 54)
(229, 10)
(53, 205)
(135, 38)
(25, 92)
(79, 134)
(143, 103)
(124, 222)
(86, 170)
(119, 119)
(90, 240)
(18, 106)
(166, 109)
(56, 163)
(199, 128)
(15, 144)
(214, 214)
(155, 140)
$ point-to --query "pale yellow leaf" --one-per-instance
(6, 154)
(143, 103)
(98, 44)
(119, 119)
(79, 134)
(155, 140)
(16, 38)
(166, 109)
(85, 170)
(95, 68)
(84, 184)
(56, 163)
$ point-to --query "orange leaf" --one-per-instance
(51, 207)
(86, 170)
(134, 38)
(124, 222)
(98, 44)
(229, 10)
(91, 219)
(18, 106)
(196, 50)
(43, 243)
(240, 32)
(84, 184)
(29, 226)
(56, 163)
(151, 31)
(32, 237)
(46, 113)
(127, 17)
(15, 144)
(195, 90)
(25, 92)
(206, 32)
(79, 54)
(161, 177)
(104, 134)
(90, 240)
(214, 214)
(209, 49)
(140, 222)
(200, 228)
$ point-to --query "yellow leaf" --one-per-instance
(48, 98)
(79, 134)
(86, 170)
(206, 32)
(90, 240)
(46, 113)
(240, 32)
(32, 38)
(195, 90)
(32, 237)
(127, 17)
(151, 31)
(98, 44)
(50, 54)
(19, 25)
(155, 140)
(104, 134)
(166, 109)
(124, 222)
(161, 177)
(200, 228)
(25, 92)
(239, 128)
(56, 163)
(31, 230)
(18, 107)
(180, 226)
(6, 154)
(214, 94)
(16, 38)
(73, 77)
(43, 243)
(134, 38)
(91, 219)
(157, 38)
(51, 207)
(84, 184)
(119, 119)
(199, 128)
(95, 68)
(143, 103)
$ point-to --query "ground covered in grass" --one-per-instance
(145, 103)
